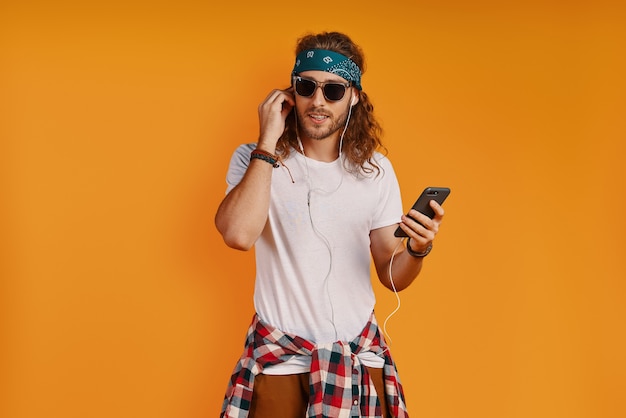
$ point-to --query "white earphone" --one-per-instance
(353, 101)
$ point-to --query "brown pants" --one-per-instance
(288, 396)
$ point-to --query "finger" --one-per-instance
(410, 232)
(418, 241)
(277, 96)
(276, 103)
(422, 225)
(282, 98)
(416, 228)
(291, 94)
(423, 220)
(288, 102)
(439, 212)
(271, 97)
(288, 95)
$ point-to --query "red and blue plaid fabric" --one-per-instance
(340, 385)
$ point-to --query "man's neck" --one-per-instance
(326, 150)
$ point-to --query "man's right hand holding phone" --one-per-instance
(420, 229)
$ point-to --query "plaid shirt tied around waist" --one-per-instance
(339, 384)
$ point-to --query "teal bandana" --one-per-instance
(329, 61)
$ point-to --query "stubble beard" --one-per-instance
(312, 131)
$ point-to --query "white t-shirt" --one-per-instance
(313, 256)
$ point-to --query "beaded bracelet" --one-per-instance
(417, 255)
(265, 156)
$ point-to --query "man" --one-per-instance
(315, 198)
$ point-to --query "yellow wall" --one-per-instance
(117, 119)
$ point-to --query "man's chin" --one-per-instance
(319, 134)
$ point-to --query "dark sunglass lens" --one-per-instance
(304, 87)
(334, 91)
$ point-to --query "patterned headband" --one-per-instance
(329, 61)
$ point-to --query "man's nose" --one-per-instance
(318, 95)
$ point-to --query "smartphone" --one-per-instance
(422, 204)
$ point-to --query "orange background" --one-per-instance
(118, 297)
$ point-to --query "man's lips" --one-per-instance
(318, 117)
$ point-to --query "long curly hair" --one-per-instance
(363, 135)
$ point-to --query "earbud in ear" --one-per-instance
(353, 101)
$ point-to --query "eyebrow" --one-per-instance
(341, 80)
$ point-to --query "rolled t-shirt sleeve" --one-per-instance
(238, 165)
(389, 210)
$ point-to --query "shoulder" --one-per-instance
(379, 165)
(239, 162)
(241, 155)
(381, 159)
(244, 150)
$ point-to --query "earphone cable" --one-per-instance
(395, 291)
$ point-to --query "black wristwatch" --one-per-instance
(417, 255)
